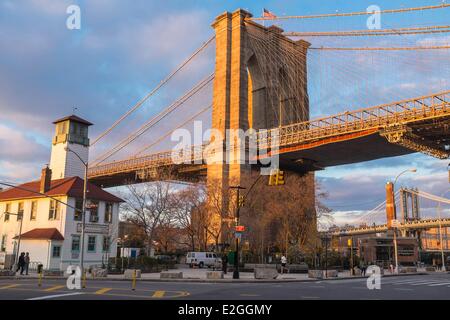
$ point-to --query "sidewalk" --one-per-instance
(199, 275)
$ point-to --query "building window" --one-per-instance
(56, 252)
(3, 245)
(20, 211)
(33, 212)
(78, 215)
(93, 208)
(108, 212)
(106, 243)
(7, 211)
(75, 243)
(91, 243)
(53, 213)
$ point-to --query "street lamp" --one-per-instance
(83, 211)
(440, 232)
(395, 215)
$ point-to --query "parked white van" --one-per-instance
(203, 259)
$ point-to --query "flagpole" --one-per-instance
(262, 16)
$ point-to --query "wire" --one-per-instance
(380, 48)
(39, 193)
(399, 31)
(349, 14)
(161, 84)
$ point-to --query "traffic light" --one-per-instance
(276, 178)
(349, 242)
(241, 201)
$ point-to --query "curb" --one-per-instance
(222, 280)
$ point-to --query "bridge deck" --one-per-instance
(415, 125)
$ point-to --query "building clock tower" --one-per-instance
(70, 133)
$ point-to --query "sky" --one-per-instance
(125, 48)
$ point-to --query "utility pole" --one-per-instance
(236, 257)
(83, 214)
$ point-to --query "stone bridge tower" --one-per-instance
(260, 83)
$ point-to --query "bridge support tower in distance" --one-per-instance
(260, 83)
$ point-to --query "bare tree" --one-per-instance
(148, 205)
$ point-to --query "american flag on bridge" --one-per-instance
(268, 14)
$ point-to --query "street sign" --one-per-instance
(94, 228)
(240, 228)
(238, 235)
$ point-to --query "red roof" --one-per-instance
(42, 234)
(72, 187)
(75, 119)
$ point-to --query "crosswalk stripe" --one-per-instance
(10, 286)
(54, 288)
(103, 290)
(424, 283)
(159, 294)
(439, 284)
(411, 282)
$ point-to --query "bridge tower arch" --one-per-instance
(260, 83)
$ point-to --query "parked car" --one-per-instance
(203, 259)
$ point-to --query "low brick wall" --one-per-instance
(331, 273)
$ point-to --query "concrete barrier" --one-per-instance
(332, 273)
(129, 273)
(99, 273)
(171, 275)
(7, 273)
(214, 275)
(265, 273)
(407, 270)
(316, 274)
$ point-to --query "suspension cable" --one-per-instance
(380, 48)
(171, 131)
(154, 120)
(349, 14)
(382, 32)
(161, 84)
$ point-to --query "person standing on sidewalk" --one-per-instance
(283, 263)
(27, 262)
(224, 263)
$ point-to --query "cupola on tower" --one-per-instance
(71, 136)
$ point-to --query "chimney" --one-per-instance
(46, 177)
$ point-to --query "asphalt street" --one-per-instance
(428, 287)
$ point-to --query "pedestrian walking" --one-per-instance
(27, 262)
(224, 263)
(21, 263)
(283, 263)
(363, 268)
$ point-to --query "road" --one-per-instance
(432, 287)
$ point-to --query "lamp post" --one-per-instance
(236, 258)
(16, 260)
(395, 215)
(440, 232)
(83, 211)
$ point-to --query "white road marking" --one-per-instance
(424, 283)
(56, 296)
(439, 284)
(404, 289)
